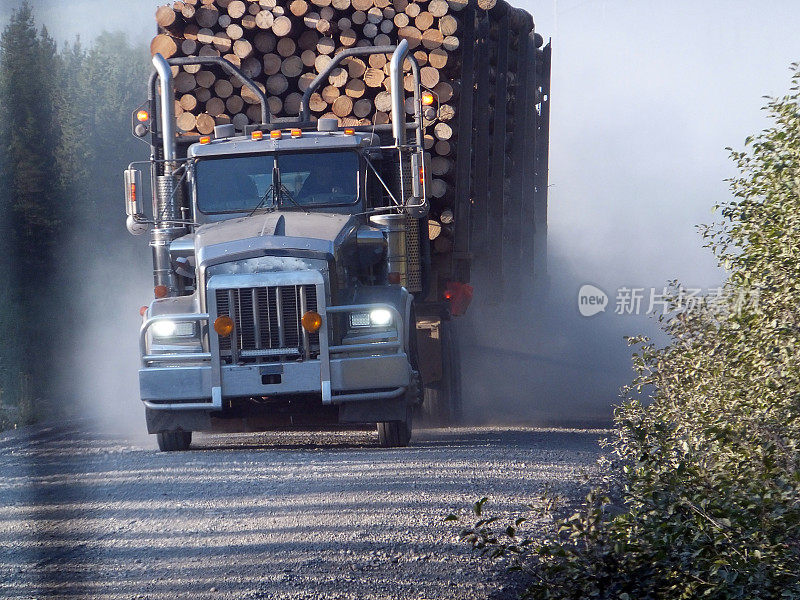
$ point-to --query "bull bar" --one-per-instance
(328, 356)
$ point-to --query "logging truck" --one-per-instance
(296, 277)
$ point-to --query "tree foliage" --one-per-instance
(708, 438)
(66, 132)
(31, 200)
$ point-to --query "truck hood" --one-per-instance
(284, 231)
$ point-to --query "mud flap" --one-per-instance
(373, 411)
(168, 420)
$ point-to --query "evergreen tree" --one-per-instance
(109, 82)
(32, 205)
(66, 131)
(102, 84)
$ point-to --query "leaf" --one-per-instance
(477, 508)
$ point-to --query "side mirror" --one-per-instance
(133, 206)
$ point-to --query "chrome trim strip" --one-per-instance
(377, 346)
(303, 310)
(271, 352)
(324, 339)
(279, 315)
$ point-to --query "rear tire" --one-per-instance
(395, 434)
(174, 441)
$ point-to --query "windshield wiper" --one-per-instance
(286, 193)
(281, 189)
(276, 185)
(278, 191)
(263, 200)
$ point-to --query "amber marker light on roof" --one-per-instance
(275, 134)
(206, 139)
(257, 135)
(142, 116)
(296, 133)
(349, 131)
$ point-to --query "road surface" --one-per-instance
(316, 515)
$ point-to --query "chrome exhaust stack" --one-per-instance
(166, 192)
(398, 100)
(167, 111)
(395, 226)
(414, 193)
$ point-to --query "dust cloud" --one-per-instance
(533, 359)
(101, 377)
(644, 101)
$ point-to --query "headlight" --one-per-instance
(171, 329)
(380, 317)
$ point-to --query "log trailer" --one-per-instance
(295, 278)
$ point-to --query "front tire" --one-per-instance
(395, 434)
(174, 441)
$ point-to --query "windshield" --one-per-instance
(242, 183)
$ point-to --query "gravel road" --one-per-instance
(319, 515)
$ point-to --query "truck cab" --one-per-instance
(286, 261)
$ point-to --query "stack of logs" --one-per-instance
(283, 44)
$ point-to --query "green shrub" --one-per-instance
(706, 443)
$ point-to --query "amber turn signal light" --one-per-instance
(311, 321)
(142, 116)
(223, 326)
(160, 291)
(427, 98)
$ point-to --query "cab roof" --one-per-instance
(306, 141)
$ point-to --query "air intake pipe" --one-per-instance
(395, 231)
(165, 194)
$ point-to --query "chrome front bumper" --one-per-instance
(190, 387)
(345, 373)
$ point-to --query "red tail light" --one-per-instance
(459, 295)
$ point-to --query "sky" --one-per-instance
(646, 97)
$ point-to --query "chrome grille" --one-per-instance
(267, 323)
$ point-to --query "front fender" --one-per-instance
(173, 306)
